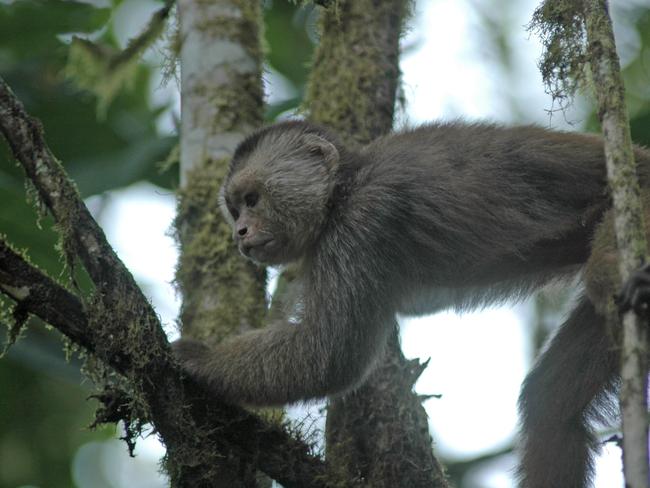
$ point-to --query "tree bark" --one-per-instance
(120, 328)
(630, 234)
(377, 435)
(221, 101)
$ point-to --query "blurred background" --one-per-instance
(461, 58)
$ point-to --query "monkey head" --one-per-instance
(277, 190)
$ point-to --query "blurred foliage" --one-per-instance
(290, 33)
(43, 412)
(99, 155)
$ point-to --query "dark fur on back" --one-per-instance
(449, 215)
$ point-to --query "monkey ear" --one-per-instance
(323, 148)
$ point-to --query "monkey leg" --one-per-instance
(567, 389)
(602, 278)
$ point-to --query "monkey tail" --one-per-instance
(569, 388)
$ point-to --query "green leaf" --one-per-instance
(31, 26)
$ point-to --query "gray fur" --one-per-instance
(450, 215)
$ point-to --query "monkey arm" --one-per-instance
(282, 363)
(328, 351)
(346, 312)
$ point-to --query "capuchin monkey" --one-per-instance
(444, 216)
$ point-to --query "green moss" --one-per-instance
(172, 160)
(227, 291)
(354, 76)
(131, 345)
(223, 293)
(238, 103)
(33, 197)
(560, 26)
(15, 322)
(237, 29)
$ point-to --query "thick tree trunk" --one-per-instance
(221, 95)
(379, 434)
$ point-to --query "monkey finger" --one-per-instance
(636, 292)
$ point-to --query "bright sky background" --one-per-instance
(478, 360)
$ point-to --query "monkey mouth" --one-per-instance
(258, 250)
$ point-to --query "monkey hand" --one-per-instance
(635, 294)
(192, 355)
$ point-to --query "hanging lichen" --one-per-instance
(560, 26)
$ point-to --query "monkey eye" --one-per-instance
(251, 199)
(234, 212)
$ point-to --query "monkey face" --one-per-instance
(276, 195)
(245, 204)
(271, 224)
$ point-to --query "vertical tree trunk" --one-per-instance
(630, 235)
(221, 101)
(378, 434)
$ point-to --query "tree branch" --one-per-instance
(630, 234)
(42, 296)
(121, 328)
(352, 88)
(82, 235)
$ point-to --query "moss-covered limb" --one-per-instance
(612, 112)
(81, 235)
(222, 293)
(221, 78)
(630, 234)
(379, 433)
(355, 73)
(222, 100)
(124, 332)
(272, 450)
(42, 296)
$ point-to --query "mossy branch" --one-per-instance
(352, 88)
(630, 233)
(122, 329)
(40, 295)
(580, 50)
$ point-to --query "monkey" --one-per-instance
(448, 215)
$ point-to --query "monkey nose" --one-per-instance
(242, 230)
